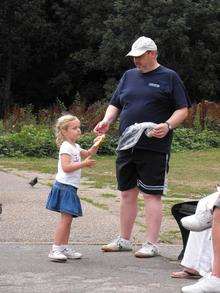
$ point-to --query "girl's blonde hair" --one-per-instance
(62, 124)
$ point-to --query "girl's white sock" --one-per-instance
(64, 246)
(57, 247)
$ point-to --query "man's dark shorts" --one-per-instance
(142, 168)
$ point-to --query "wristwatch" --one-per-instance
(168, 125)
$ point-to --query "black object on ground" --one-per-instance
(33, 181)
(179, 211)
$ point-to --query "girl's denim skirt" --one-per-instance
(63, 198)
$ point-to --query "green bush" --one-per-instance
(190, 139)
(30, 141)
(17, 117)
(39, 141)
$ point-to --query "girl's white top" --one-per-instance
(71, 178)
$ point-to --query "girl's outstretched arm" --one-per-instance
(69, 166)
(94, 148)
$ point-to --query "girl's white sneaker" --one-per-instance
(71, 254)
(56, 255)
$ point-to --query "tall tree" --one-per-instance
(20, 22)
(56, 48)
(186, 32)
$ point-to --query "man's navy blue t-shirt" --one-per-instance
(149, 97)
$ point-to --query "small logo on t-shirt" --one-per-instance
(153, 84)
(75, 158)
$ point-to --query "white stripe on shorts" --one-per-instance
(157, 187)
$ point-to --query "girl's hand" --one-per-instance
(96, 144)
(98, 140)
(88, 162)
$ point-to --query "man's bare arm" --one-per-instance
(111, 115)
(175, 119)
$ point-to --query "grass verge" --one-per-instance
(191, 174)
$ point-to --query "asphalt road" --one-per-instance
(26, 233)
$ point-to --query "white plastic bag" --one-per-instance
(132, 134)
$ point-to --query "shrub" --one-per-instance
(30, 141)
(17, 117)
(39, 141)
(190, 139)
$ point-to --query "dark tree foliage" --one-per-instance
(23, 33)
(69, 48)
(186, 33)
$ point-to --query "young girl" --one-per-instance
(63, 197)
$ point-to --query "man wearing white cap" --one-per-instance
(148, 93)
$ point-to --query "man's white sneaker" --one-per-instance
(118, 244)
(198, 222)
(147, 250)
(208, 284)
(71, 254)
(56, 255)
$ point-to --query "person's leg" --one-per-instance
(126, 174)
(153, 216)
(198, 253)
(210, 283)
(202, 219)
(61, 238)
(128, 212)
(216, 242)
(197, 259)
(62, 231)
(62, 235)
(152, 171)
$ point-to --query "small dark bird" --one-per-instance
(0, 208)
(33, 181)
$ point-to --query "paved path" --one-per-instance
(25, 269)
(26, 231)
(25, 218)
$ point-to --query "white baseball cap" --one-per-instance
(141, 45)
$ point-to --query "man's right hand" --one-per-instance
(101, 128)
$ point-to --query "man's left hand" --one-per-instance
(159, 131)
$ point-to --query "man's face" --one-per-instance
(145, 61)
